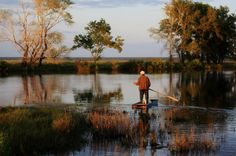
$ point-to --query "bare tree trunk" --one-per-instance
(42, 56)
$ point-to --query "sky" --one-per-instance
(130, 19)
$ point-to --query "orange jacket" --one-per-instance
(143, 82)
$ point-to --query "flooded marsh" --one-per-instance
(92, 115)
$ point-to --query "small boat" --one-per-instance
(139, 105)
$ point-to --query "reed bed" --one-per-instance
(36, 131)
(188, 142)
(109, 124)
(115, 125)
(52, 130)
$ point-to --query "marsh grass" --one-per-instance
(116, 125)
(54, 130)
(190, 141)
(184, 142)
(109, 124)
(31, 131)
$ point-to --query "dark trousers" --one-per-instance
(141, 93)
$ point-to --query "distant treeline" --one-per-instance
(107, 66)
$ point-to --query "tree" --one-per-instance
(225, 44)
(97, 38)
(174, 29)
(30, 28)
(198, 31)
(55, 47)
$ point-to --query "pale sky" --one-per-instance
(130, 19)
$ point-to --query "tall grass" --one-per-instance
(34, 131)
(30, 131)
(115, 125)
(183, 142)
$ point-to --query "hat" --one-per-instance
(142, 72)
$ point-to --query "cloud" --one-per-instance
(116, 3)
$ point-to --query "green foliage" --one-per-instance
(36, 131)
(178, 66)
(195, 64)
(105, 67)
(130, 66)
(97, 38)
(3, 66)
(1, 140)
(196, 30)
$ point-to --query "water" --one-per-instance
(206, 108)
(99, 89)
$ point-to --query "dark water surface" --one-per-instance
(206, 109)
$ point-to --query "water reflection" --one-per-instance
(210, 89)
(96, 94)
(38, 90)
(201, 120)
(201, 89)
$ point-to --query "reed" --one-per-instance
(109, 124)
(35, 131)
(184, 142)
(116, 125)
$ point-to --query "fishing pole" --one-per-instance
(170, 97)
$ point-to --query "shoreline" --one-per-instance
(110, 65)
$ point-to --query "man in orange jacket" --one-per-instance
(144, 84)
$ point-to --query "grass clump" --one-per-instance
(188, 143)
(109, 124)
(35, 131)
(118, 126)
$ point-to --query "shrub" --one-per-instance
(63, 123)
(195, 64)
(178, 66)
(105, 67)
(3, 66)
(1, 140)
(130, 66)
(158, 65)
(34, 131)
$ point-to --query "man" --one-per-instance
(144, 84)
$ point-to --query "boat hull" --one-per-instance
(139, 105)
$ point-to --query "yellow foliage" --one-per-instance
(63, 123)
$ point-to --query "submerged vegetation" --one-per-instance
(45, 130)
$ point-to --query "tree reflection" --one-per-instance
(210, 89)
(37, 90)
(96, 95)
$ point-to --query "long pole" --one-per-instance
(170, 97)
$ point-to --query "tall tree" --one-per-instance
(28, 28)
(226, 42)
(97, 38)
(174, 29)
(203, 32)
